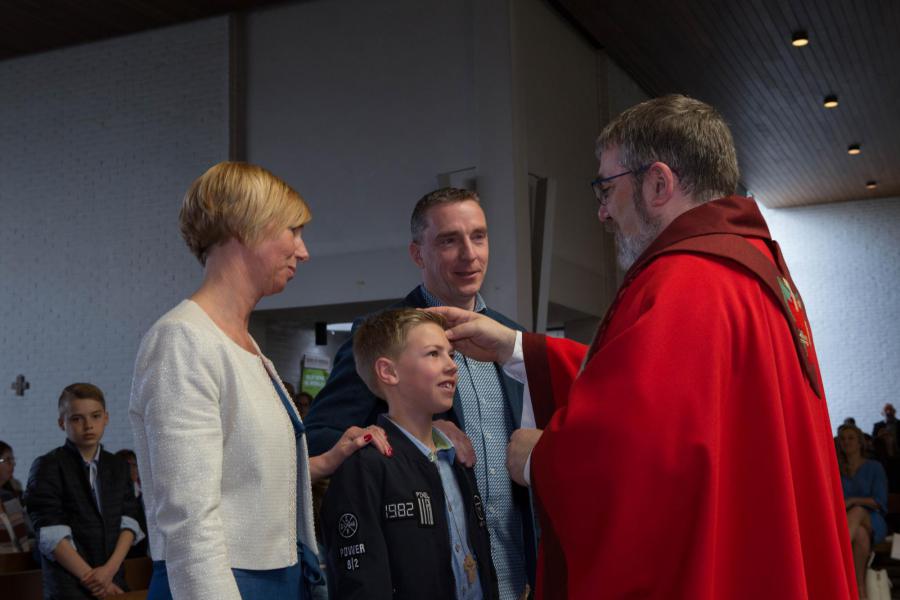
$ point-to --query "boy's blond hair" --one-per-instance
(384, 335)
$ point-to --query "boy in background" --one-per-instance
(411, 525)
(81, 500)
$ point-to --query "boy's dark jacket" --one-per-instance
(345, 401)
(379, 551)
(59, 493)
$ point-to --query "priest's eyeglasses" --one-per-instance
(602, 192)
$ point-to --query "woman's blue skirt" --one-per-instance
(274, 584)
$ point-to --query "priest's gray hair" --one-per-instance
(688, 135)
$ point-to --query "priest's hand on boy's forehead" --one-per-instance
(476, 335)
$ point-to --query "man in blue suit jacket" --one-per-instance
(450, 246)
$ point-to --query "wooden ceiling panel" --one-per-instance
(30, 26)
(737, 56)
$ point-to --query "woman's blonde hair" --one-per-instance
(240, 200)
(843, 463)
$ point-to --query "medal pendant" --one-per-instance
(470, 568)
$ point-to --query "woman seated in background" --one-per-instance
(16, 534)
(221, 450)
(865, 495)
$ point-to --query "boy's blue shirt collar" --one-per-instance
(442, 443)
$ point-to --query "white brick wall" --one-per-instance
(97, 145)
(845, 258)
(360, 105)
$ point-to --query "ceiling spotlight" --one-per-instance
(871, 185)
(830, 101)
(853, 149)
(799, 39)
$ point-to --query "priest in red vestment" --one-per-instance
(686, 453)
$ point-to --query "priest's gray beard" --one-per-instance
(630, 247)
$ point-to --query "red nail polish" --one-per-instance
(390, 451)
(368, 437)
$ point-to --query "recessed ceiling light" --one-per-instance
(799, 39)
(854, 149)
(830, 101)
(871, 185)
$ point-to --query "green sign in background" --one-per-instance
(313, 380)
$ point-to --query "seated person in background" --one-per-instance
(886, 431)
(411, 526)
(130, 459)
(16, 534)
(868, 444)
(886, 436)
(81, 500)
(139, 549)
(303, 401)
(10, 485)
(865, 495)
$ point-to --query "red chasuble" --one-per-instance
(691, 457)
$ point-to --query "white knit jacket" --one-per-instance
(217, 457)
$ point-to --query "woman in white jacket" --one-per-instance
(220, 447)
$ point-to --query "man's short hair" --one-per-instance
(418, 222)
(690, 136)
(237, 200)
(79, 391)
(384, 334)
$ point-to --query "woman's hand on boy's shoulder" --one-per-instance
(356, 437)
(352, 440)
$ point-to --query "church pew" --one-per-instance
(17, 561)
(24, 585)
